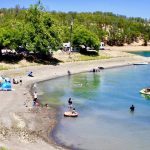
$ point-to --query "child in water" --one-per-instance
(73, 111)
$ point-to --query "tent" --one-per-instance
(6, 86)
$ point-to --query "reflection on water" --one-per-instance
(146, 96)
(103, 100)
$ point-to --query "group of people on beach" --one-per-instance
(98, 69)
(16, 81)
(35, 100)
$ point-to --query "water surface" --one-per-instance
(142, 53)
(102, 100)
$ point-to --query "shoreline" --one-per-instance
(45, 121)
(134, 47)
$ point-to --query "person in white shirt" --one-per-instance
(35, 95)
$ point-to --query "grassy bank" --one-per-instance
(60, 56)
(74, 57)
(3, 67)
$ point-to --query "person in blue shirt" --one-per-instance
(30, 74)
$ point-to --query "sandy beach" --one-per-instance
(23, 127)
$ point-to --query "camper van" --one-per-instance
(102, 46)
(66, 46)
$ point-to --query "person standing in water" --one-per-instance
(70, 103)
(132, 108)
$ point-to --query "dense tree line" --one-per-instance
(39, 31)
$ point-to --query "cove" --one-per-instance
(102, 100)
(142, 53)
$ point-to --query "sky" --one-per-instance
(129, 8)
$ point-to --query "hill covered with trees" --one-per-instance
(37, 30)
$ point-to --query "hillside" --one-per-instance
(37, 30)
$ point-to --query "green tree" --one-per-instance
(82, 36)
(11, 36)
(38, 31)
(41, 34)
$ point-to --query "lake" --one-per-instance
(142, 53)
(102, 100)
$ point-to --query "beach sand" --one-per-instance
(25, 128)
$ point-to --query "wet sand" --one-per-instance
(23, 127)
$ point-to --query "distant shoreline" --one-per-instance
(129, 48)
(19, 102)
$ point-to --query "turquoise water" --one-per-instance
(142, 53)
(102, 100)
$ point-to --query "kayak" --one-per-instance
(70, 114)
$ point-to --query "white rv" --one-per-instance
(102, 46)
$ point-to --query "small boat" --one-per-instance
(70, 114)
(145, 91)
(141, 63)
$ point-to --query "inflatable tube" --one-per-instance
(70, 114)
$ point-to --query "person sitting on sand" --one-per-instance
(30, 74)
(15, 81)
(46, 105)
(132, 108)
